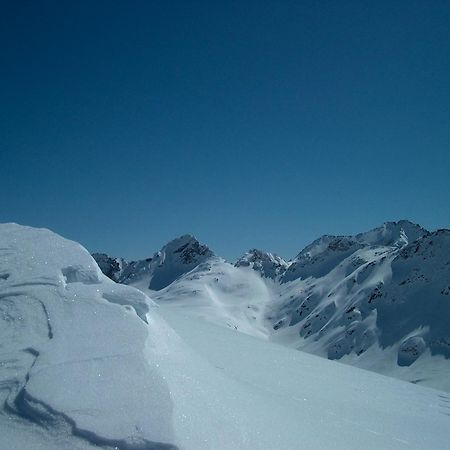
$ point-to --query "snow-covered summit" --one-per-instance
(389, 234)
(176, 258)
(267, 264)
(396, 234)
(185, 250)
(319, 257)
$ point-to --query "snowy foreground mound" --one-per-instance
(379, 300)
(87, 363)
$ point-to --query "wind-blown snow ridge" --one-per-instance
(71, 359)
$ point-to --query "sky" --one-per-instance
(124, 124)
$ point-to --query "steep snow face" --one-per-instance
(73, 351)
(267, 264)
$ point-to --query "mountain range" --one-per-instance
(379, 300)
(89, 363)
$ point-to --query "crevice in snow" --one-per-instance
(50, 330)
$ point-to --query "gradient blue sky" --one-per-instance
(247, 123)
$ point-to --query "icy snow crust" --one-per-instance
(86, 363)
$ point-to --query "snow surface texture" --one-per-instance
(379, 300)
(87, 363)
(72, 357)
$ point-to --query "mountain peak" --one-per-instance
(267, 264)
(186, 248)
(396, 234)
(176, 258)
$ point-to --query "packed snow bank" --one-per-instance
(71, 360)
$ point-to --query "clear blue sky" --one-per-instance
(247, 123)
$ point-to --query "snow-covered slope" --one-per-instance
(231, 296)
(324, 254)
(316, 403)
(379, 307)
(378, 299)
(86, 363)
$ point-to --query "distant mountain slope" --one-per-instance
(379, 299)
(176, 258)
(111, 267)
(267, 264)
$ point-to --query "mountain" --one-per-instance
(379, 307)
(267, 264)
(110, 266)
(378, 299)
(87, 363)
(176, 258)
(320, 257)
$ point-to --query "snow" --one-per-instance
(313, 402)
(361, 299)
(71, 359)
(226, 295)
(87, 363)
